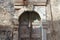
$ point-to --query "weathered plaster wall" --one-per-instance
(8, 5)
(6, 12)
(55, 9)
(56, 17)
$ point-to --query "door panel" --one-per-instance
(29, 26)
(24, 29)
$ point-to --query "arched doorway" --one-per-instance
(29, 26)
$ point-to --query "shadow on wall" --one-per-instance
(54, 28)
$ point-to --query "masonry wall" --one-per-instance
(53, 24)
(8, 7)
(6, 14)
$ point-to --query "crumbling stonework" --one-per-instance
(6, 12)
(8, 5)
(7, 17)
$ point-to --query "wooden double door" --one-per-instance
(29, 26)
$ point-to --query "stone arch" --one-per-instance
(16, 15)
(22, 18)
(20, 12)
(28, 12)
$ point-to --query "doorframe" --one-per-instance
(19, 22)
(16, 15)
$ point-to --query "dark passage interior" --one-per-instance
(29, 26)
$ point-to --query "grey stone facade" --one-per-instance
(6, 10)
(7, 13)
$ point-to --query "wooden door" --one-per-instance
(29, 26)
